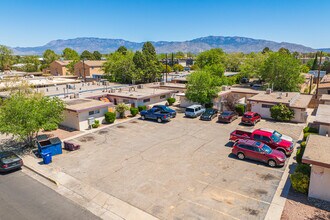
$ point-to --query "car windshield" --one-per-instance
(225, 113)
(165, 108)
(247, 116)
(277, 134)
(275, 138)
(208, 111)
(189, 110)
(267, 149)
(7, 158)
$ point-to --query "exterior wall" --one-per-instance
(71, 120)
(57, 69)
(300, 115)
(184, 102)
(90, 71)
(324, 130)
(319, 183)
(153, 100)
(327, 102)
(324, 91)
(83, 117)
(138, 102)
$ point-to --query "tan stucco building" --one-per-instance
(93, 69)
(59, 67)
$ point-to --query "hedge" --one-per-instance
(96, 124)
(300, 152)
(300, 178)
(142, 107)
(110, 117)
(134, 111)
(171, 101)
(240, 109)
(50, 127)
(310, 130)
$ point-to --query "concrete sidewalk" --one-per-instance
(99, 203)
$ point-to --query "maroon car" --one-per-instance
(250, 118)
(227, 116)
(256, 150)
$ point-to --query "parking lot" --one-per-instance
(177, 170)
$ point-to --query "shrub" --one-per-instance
(50, 127)
(306, 135)
(300, 152)
(142, 107)
(304, 169)
(171, 101)
(209, 105)
(281, 112)
(134, 111)
(110, 117)
(96, 124)
(311, 130)
(300, 178)
(240, 109)
(121, 109)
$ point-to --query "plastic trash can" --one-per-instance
(47, 157)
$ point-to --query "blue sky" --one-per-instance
(36, 22)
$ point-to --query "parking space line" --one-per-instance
(260, 181)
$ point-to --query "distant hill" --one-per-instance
(228, 44)
(327, 50)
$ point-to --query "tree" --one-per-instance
(70, 54)
(202, 87)
(266, 50)
(252, 63)
(121, 108)
(179, 55)
(31, 63)
(326, 66)
(97, 55)
(284, 50)
(315, 65)
(281, 112)
(234, 61)
(169, 69)
(23, 115)
(282, 70)
(87, 55)
(304, 69)
(5, 57)
(123, 50)
(152, 68)
(215, 69)
(210, 57)
(49, 56)
(178, 67)
(120, 68)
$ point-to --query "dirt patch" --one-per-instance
(134, 122)
(86, 139)
(251, 211)
(261, 191)
(267, 176)
(121, 126)
(103, 132)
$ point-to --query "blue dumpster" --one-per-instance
(47, 157)
(49, 144)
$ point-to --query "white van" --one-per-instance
(194, 111)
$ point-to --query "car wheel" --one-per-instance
(282, 151)
(159, 120)
(271, 163)
(143, 117)
(241, 156)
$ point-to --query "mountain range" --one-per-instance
(104, 45)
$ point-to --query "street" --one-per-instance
(22, 197)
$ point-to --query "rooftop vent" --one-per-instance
(279, 95)
(268, 91)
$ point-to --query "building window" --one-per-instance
(162, 96)
(266, 106)
(97, 111)
(126, 101)
(146, 100)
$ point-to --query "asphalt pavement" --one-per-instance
(22, 197)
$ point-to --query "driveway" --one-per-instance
(178, 170)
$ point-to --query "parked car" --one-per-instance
(259, 151)
(257, 87)
(245, 80)
(227, 116)
(278, 134)
(166, 109)
(155, 114)
(9, 161)
(194, 111)
(251, 118)
(265, 137)
(209, 114)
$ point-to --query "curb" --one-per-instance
(42, 175)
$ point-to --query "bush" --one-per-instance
(281, 112)
(121, 109)
(304, 169)
(50, 127)
(300, 182)
(240, 109)
(134, 111)
(306, 135)
(96, 124)
(209, 105)
(142, 107)
(300, 152)
(110, 117)
(310, 130)
(171, 101)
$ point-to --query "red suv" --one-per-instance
(256, 150)
(251, 118)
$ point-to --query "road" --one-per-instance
(22, 197)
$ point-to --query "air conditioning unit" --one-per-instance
(279, 95)
(268, 90)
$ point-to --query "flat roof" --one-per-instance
(143, 93)
(323, 114)
(293, 99)
(325, 97)
(169, 85)
(317, 151)
(79, 105)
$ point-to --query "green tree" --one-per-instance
(152, 68)
(121, 108)
(120, 67)
(122, 49)
(169, 69)
(210, 57)
(6, 56)
(326, 66)
(31, 63)
(97, 55)
(70, 54)
(315, 65)
(24, 115)
(284, 50)
(252, 64)
(179, 55)
(304, 69)
(87, 55)
(266, 50)
(281, 112)
(178, 67)
(215, 69)
(234, 61)
(191, 55)
(282, 70)
(49, 56)
(202, 87)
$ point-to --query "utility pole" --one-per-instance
(84, 70)
(166, 69)
(310, 84)
(318, 75)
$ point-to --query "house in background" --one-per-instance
(322, 119)
(89, 69)
(59, 67)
